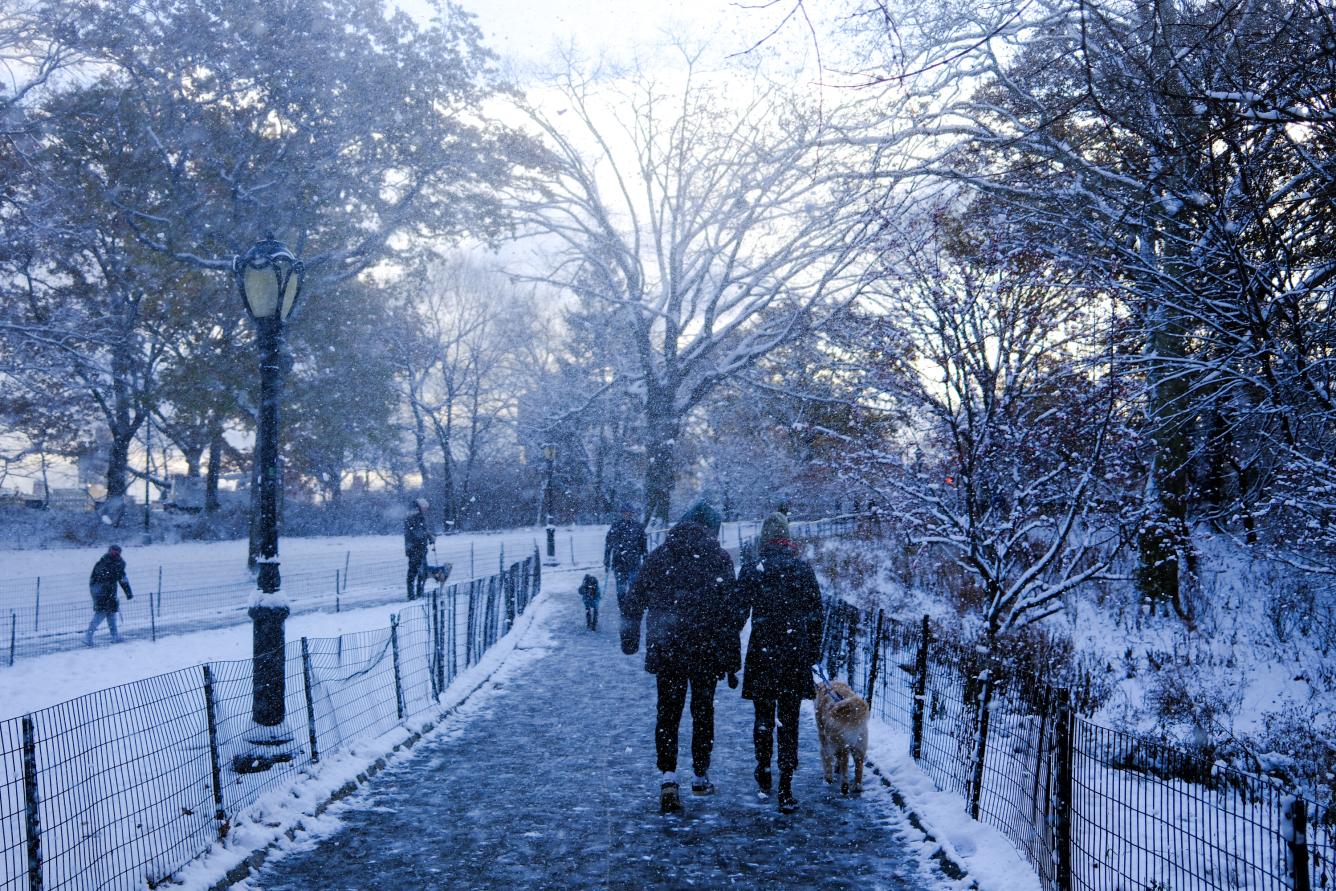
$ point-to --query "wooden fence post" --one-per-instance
(310, 702)
(32, 819)
(215, 764)
(1294, 820)
(1064, 745)
(394, 647)
(980, 750)
(851, 657)
(876, 656)
(920, 693)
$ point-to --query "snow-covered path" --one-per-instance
(550, 784)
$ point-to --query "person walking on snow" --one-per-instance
(417, 536)
(779, 592)
(108, 572)
(686, 588)
(623, 551)
(590, 596)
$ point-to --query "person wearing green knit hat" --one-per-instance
(778, 591)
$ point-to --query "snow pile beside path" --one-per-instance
(290, 819)
(992, 862)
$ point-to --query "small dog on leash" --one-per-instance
(841, 725)
(439, 574)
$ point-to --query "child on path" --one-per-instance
(590, 596)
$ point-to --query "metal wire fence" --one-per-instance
(120, 789)
(1091, 808)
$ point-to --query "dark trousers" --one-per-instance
(785, 708)
(672, 698)
(417, 574)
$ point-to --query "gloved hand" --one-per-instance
(129, 596)
(732, 680)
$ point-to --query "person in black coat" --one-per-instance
(779, 591)
(624, 549)
(108, 572)
(417, 535)
(686, 587)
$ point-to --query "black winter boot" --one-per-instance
(669, 801)
(787, 803)
(763, 779)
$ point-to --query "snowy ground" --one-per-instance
(44, 602)
(546, 780)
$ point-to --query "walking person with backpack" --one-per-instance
(685, 588)
(417, 536)
(108, 572)
(778, 590)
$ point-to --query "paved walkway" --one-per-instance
(551, 785)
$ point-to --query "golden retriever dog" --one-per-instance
(841, 725)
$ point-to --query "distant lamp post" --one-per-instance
(549, 456)
(270, 279)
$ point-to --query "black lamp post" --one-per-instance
(270, 279)
(550, 456)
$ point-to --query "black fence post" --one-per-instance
(1295, 814)
(310, 702)
(13, 633)
(1064, 746)
(980, 750)
(876, 656)
(537, 570)
(32, 819)
(920, 694)
(851, 657)
(434, 659)
(470, 623)
(508, 579)
(215, 764)
(394, 647)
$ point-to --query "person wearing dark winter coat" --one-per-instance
(778, 591)
(590, 596)
(417, 536)
(108, 572)
(686, 588)
(624, 549)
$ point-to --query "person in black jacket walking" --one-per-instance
(779, 591)
(623, 551)
(108, 572)
(417, 535)
(686, 587)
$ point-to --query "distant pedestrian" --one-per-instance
(108, 572)
(623, 551)
(779, 592)
(590, 596)
(417, 536)
(686, 587)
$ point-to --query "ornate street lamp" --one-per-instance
(550, 456)
(270, 279)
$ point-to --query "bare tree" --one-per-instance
(709, 221)
(1002, 442)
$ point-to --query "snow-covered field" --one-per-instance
(44, 601)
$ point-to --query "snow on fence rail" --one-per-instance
(44, 614)
(1089, 807)
(121, 788)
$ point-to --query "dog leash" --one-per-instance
(825, 683)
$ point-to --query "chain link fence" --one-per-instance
(1091, 808)
(121, 788)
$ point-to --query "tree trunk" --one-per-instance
(214, 473)
(661, 467)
